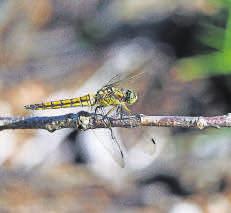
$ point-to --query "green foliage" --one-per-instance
(217, 38)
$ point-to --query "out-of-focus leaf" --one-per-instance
(217, 63)
(205, 65)
(213, 36)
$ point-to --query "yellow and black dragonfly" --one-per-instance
(110, 95)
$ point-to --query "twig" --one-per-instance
(85, 120)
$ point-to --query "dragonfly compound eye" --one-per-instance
(131, 97)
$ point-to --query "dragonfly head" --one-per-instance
(131, 96)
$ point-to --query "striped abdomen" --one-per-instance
(86, 100)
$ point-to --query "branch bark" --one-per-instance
(85, 120)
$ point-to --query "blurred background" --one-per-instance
(54, 49)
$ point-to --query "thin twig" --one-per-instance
(85, 120)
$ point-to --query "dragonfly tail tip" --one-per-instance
(28, 107)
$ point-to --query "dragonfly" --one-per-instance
(110, 95)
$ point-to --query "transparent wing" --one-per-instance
(127, 77)
(112, 146)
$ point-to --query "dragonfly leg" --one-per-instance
(119, 111)
(117, 143)
(126, 108)
(97, 109)
(123, 110)
(112, 135)
(110, 128)
(110, 111)
(108, 125)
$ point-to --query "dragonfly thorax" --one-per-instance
(130, 96)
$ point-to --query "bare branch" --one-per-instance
(85, 120)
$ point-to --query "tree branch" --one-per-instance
(85, 120)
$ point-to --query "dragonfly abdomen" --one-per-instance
(86, 100)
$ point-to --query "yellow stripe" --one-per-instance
(66, 105)
(56, 107)
(76, 104)
(67, 101)
(81, 101)
(55, 103)
(75, 100)
(86, 100)
(47, 104)
(39, 108)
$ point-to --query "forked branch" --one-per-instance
(85, 120)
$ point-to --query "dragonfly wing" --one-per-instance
(128, 76)
(111, 145)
